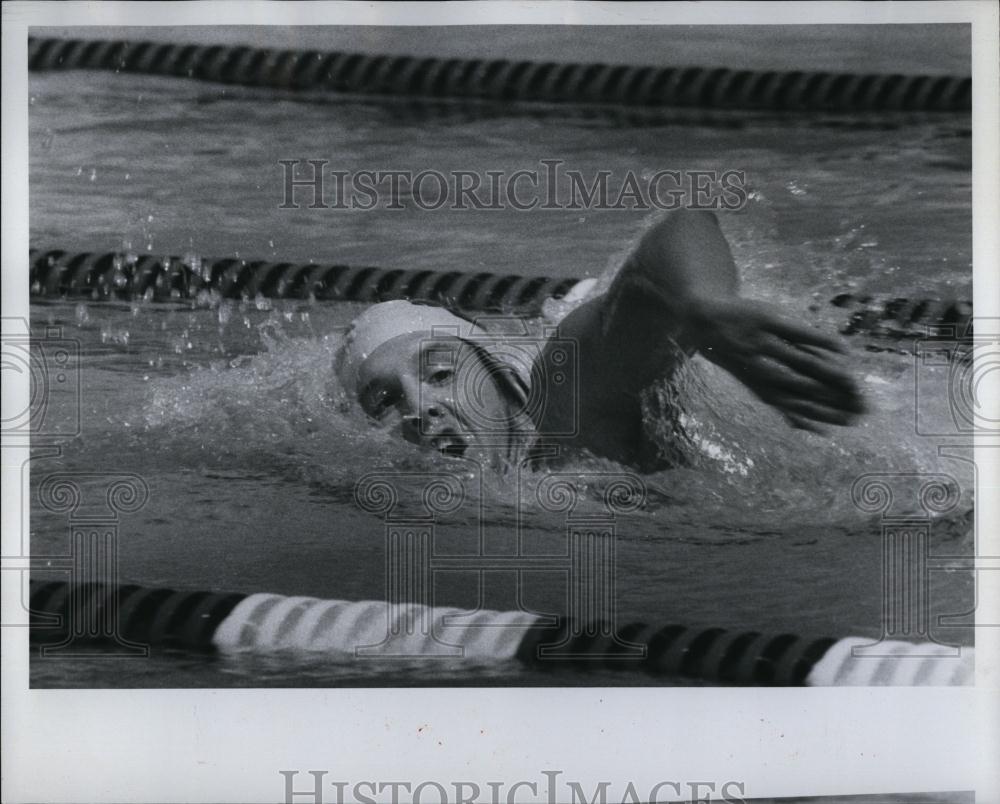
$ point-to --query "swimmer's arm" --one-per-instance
(678, 294)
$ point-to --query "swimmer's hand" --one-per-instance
(787, 365)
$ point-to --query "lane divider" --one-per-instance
(503, 80)
(99, 276)
(109, 275)
(902, 318)
(371, 630)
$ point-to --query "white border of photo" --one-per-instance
(229, 745)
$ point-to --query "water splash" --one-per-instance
(277, 406)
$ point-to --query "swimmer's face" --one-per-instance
(438, 392)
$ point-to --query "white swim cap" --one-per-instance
(382, 322)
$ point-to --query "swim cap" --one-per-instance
(382, 322)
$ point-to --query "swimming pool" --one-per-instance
(219, 405)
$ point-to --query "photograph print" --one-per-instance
(500, 356)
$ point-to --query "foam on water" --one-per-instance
(739, 465)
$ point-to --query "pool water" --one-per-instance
(228, 411)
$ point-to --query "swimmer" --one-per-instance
(445, 383)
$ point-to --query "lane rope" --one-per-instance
(100, 276)
(360, 631)
(110, 275)
(902, 318)
(502, 80)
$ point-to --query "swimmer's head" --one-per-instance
(434, 376)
